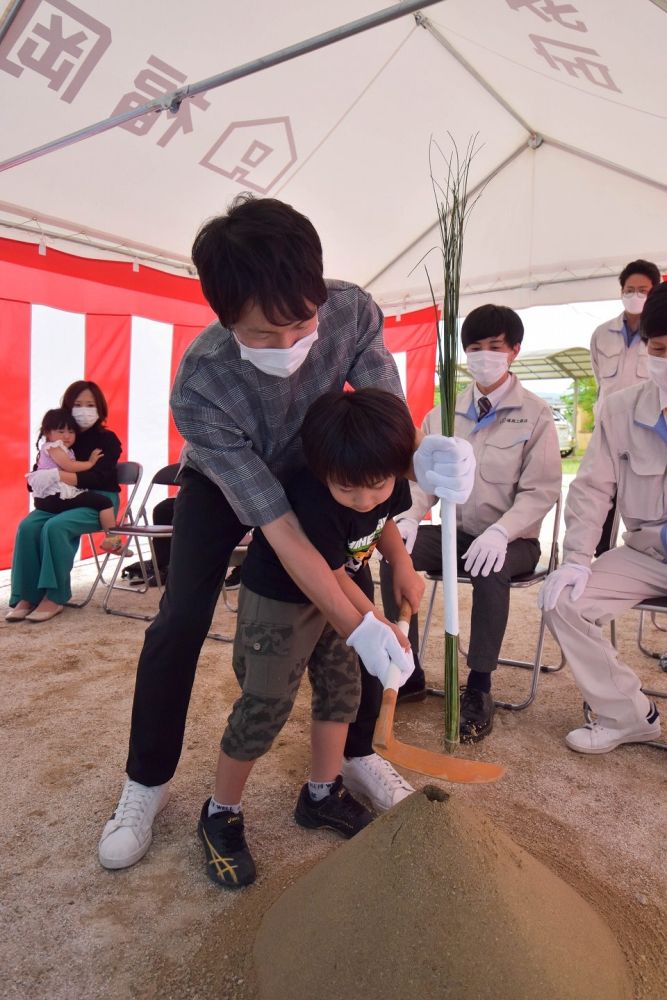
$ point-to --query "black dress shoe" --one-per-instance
(414, 688)
(477, 711)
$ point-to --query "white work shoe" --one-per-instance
(376, 779)
(128, 834)
(604, 735)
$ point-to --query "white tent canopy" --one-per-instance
(568, 101)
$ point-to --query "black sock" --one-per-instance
(479, 680)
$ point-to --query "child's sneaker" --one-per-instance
(228, 860)
(338, 811)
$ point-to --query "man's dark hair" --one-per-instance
(492, 321)
(653, 322)
(73, 390)
(57, 420)
(645, 267)
(358, 438)
(262, 252)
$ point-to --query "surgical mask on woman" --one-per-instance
(633, 303)
(657, 371)
(278, 361)
(487, 367)
(85, 416)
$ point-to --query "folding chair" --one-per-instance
(142, 530)
(520, 582)
(139, 530)
(129, 474)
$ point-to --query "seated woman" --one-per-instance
(47, 543)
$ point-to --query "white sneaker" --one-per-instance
(374, 777)
(604, 735)
(128, 834)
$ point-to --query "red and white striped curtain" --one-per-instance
(64, 318)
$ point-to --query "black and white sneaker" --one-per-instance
(229, 863)
(338, 811)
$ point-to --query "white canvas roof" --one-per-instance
(568, 101)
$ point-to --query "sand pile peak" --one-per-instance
(433, 900)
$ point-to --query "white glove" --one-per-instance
(375, 644)
(407, 529)
(445, 466)
(570, 575)
(487, 553)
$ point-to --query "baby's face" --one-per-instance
(63, 434)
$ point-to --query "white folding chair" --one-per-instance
(520, 582)
(129, 474)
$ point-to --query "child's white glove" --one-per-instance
(407, 529)
(445, 466)
(377, 646)
(487, 553)
(570, 575)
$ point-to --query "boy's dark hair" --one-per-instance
(262, 252)
(73, 390)
(645, 267)
(56, 420)
(653, 322)
(492, 321)
(358, 438)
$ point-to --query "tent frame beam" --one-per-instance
(171, 102)
(535, 141)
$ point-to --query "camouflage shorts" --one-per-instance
(275, 643)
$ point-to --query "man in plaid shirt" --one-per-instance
(284, 337)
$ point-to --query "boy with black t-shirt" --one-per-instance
(357, 446)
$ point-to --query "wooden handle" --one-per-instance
(405, 612)
(383, 734)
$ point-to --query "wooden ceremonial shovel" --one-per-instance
(438, 765)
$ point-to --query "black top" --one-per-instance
(345, 537)
(103, 475)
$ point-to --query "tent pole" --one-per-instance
(575, 412)
(428, 25)
(9, 16)
(172, 102)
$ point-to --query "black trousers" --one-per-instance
(206, 531)
(490, 594)
(56, 505)
(163, 513)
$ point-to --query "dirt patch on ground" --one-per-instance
(161, 929)
(493, 923)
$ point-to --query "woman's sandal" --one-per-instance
(113, 545)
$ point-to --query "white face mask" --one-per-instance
(487, 367)
(279, 361)
(633, 304)
(85, 416)
(657, 371)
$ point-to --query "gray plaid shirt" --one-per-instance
(241, 427)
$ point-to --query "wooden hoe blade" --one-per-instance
(438, 765)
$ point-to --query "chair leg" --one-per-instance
(660, 628)
(99, 577)
(427, 624)
(140, 590)
(640, 637)
(536, 665)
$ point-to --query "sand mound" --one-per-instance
(434, 900)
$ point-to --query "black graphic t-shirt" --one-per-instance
(343, 536)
